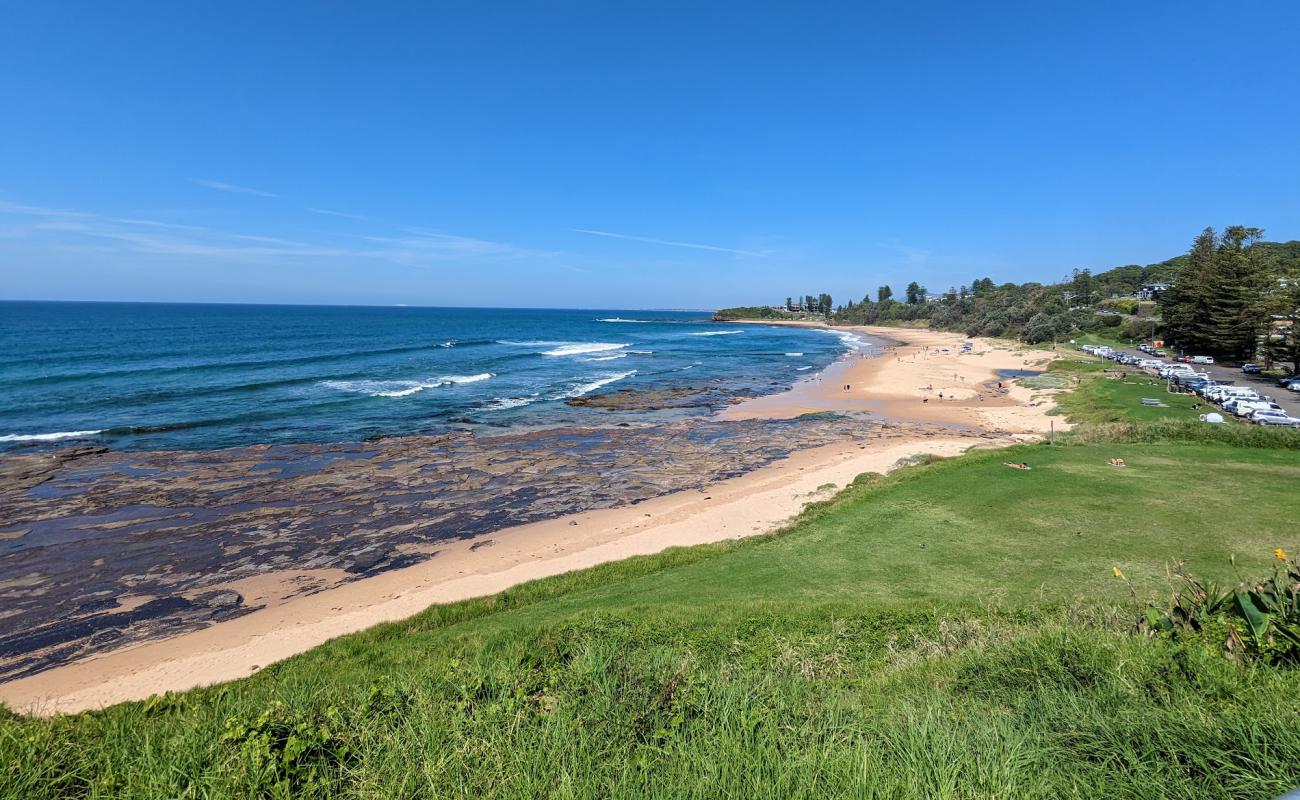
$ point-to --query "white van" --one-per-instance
(1202, 359)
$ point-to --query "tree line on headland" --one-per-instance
(1232, 295)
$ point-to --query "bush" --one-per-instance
(1257, 620)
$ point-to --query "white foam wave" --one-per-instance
(588, 388)
(851, 341)
(620, 319)
(502, 403)
(794, 354)
(46, 437)
(714, 333)
(614, 357)
(801, 369)
(583, 349)
(402, 388)
(642, 352)
(482, 376)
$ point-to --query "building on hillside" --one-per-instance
(1151, 291)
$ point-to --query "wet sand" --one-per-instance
(289, 622)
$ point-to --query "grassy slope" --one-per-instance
(1099, 399)
(951, 631)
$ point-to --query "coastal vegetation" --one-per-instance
(1232, 295)
(955, 629)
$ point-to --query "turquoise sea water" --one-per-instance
(166, 376)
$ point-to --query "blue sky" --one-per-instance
(627, 155)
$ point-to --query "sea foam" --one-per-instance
(583, 349)
(502, 403)
(46, 437)
(587, 388)
(402, 388)
(714, 333)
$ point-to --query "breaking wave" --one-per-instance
(502, 403)
(402, 388)
(46, 437)
(583, 349)
(587, 388)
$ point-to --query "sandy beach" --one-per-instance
(904, 384)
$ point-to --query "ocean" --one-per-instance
(153, 376)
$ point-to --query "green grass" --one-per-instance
(1108, 337)
(1108, 398)
(953, 630)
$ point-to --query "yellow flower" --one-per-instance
(1280, 554)
(1115, 570)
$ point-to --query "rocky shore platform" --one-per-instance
(100, 549)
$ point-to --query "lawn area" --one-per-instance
(1101, 397)
(1108, 337)
(953, 630)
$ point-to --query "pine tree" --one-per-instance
(1186, 306)
(1237, 315)
(1283, 335)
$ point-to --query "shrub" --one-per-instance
(1258, 620)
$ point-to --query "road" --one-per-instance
(1290, 401)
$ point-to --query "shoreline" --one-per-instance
(757, 502)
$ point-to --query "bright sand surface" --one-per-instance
(893, 385)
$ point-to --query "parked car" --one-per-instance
(1288, 380)
(1263, 418)
(1202, 359)
(1251, 369)
(1244, 408)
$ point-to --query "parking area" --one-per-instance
(1266, 388)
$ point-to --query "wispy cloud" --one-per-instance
(343, 214)
(64, 228)
(670, 243)
(910, 254)
(421, 245)
(222, 186)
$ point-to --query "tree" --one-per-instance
(1186, 305)
(1282, 340)
(915, 293)
(1237, 316)
(1218, 303)
(884, 293)
(1083, 287)
(789, 304)
(824, 303)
